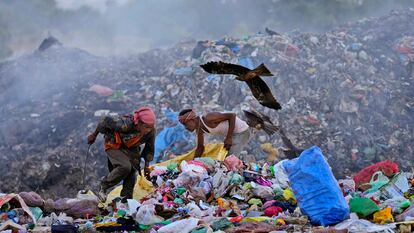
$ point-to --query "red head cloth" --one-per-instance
(146, 115)
(186, 117)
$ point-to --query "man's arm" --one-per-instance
(110, 124)
(200, 143)
(106, 124)
(148, 152)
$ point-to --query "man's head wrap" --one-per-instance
(187, 116)
(146, 115)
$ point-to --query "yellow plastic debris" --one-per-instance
(143, 187)
(214, 151)
(383, 216)
(107, 224)
(255, 219)
(280, 222)
(288, 195)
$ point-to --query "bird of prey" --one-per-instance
(258, 87)
(271, 32)
(260, 121)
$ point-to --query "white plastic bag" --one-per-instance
(194, 170)
(356, 225)
(146, 215)
(182, 226)
(194, 210)
(280, 175)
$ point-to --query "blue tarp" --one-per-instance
(171, 135)
(316, 189)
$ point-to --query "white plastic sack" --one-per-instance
(133, 206)
(356, 225)
(194, 170)
(146, 215)
(182, 226)
(280, 175)
(194, 210)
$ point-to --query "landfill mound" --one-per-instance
(349, 91)
(226, 194)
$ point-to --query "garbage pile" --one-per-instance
(349, 90)
(207, 195)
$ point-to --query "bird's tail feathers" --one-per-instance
(262, 70)
(270, 129)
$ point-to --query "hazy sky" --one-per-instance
(108, 27)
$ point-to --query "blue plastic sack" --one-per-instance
(316, 189)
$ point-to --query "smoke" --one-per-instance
(99, 5)
(122, 27)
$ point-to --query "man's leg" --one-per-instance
(121, 167)
(128, 185)
(240, 140)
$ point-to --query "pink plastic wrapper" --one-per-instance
(198, 163)
(233, 163)
(263, 182)
(101, 90)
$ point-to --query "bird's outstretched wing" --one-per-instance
(224, 68)
(262, 93)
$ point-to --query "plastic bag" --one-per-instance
(406, 214)
(79, 208)
(383, 216)
(208, 162)
(194, 210)
(316, 189)
(363, 206)
(32, 199)
(146, 215)
(280, 174)
(220, 183)
(236, 179)
(194, 169)
(264, 192)
(221, 224)
(186, 179)
(377, 181)
(288, 195)
(388, 168)
(133, 206)
(158, 170)
(347, 185)
(233, 163)
(256, 219)
(396, 204)
(183, 226)
(356, 225)
(396, 187)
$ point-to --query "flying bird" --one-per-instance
(260, 121)
(271, 32)
(258, 87)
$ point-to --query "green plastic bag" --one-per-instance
(172, 166)
(255, 201)
(377, 181)
(272, 170)
(236, 179)
(363, 206)
(201, 230)
(37, 212)
(181, 190)
(221, 224)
